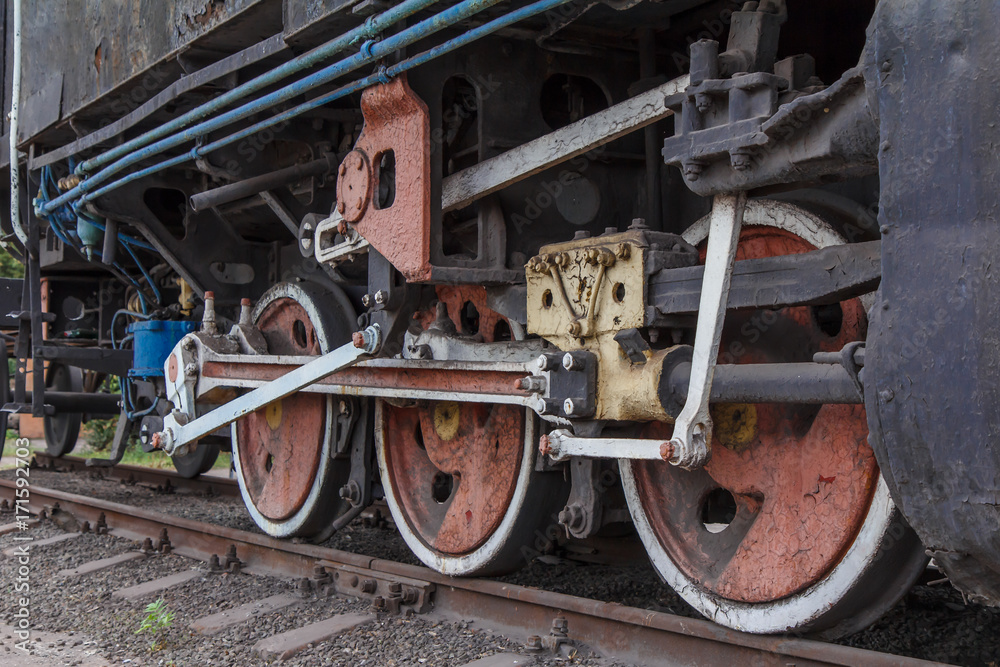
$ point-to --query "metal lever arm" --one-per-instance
(693, 428)
(178, 432)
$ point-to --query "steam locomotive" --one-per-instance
(724, 271)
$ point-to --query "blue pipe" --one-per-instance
(380, 77)
(369, 53)
(368, 30)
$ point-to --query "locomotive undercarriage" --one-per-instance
(480, 295)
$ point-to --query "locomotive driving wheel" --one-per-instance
(460, 478)
(285, 455)
(789, 527)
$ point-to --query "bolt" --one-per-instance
(740, 160)
(703, 102)
(667, 451)
(351, 492)
(304, 587)
(535, 385)
(102, 525)
(572, 363)
(368, 586)
(623, 251)
(569, 407)
(245, 308)
(395, 590)
(887, 395)
(381, 297)
(606, 257)
(581, 234)
(367, 301)
(534, 644)
(638, 224)
(575, 329)
(545, 362)
(572, 517)
(188, 343)
(341, 207)
(560, 627)
(147, 546)
(692, 169)
(213, 564)
(562, 259)
(191, 370)
(163, 545)
(544, 445)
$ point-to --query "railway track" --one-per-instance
(551, 621)
(161, 480)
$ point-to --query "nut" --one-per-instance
(544, 445)
(667, 451)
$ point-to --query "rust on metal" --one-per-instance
(455, 465)
(493, 382)
(354, 186)
(397, 123)
(802, 477)
(280, 445)
(172, 368)
(544, 445)
(358, 338)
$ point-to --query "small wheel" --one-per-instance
(62, 430)
(285, 457)
(789, 527)
(198, 462)
(460, 478)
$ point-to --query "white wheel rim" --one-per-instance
(483, 555)
(808, 605)
(290, 526)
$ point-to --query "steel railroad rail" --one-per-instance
(153, 477)
(630, 634)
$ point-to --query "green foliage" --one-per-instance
(10, 267)
(100, 433)
(157, 621)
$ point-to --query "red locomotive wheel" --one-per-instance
(286, 470)
(783, 528)
(282, 444)
(459, 477)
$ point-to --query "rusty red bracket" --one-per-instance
(396, 120)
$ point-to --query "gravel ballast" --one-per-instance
(930, 622)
